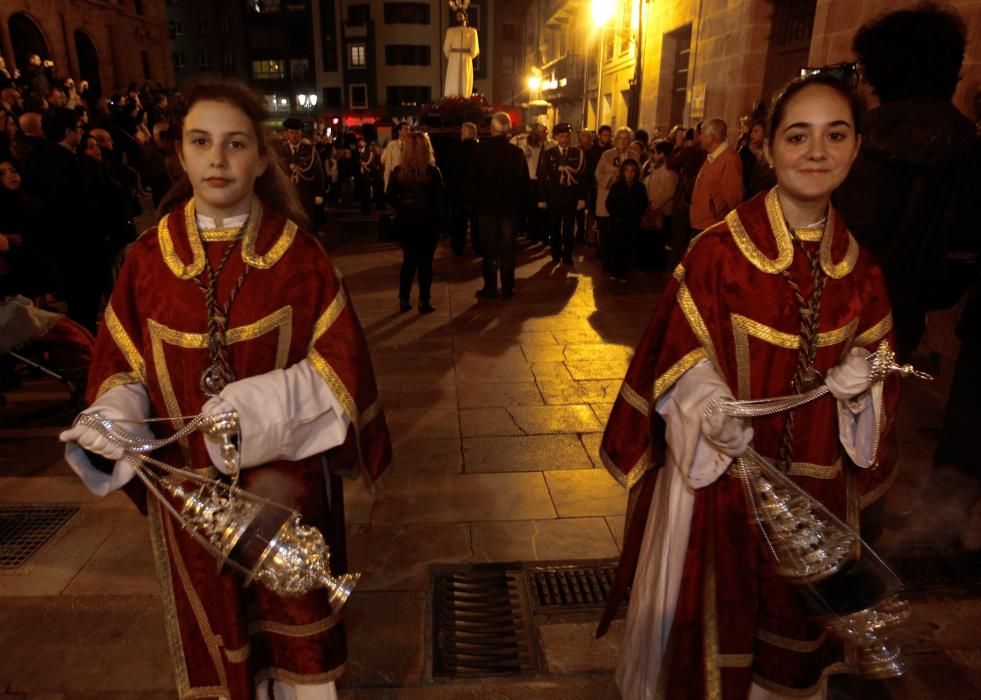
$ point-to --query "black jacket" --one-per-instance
(426, 194)
(627, 203)
(498, 181)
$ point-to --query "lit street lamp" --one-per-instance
(602, 12)
(306, 101)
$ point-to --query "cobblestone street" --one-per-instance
(496, 409)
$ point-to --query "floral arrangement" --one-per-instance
(455, 110)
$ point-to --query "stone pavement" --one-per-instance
(496, 410)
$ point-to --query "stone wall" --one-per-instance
(118, 33)
(729, 50)
(728, 56)
(836, 21)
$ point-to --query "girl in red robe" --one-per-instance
(228, 304)
(771, 301)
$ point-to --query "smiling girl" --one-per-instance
(228, 304)
(773, 300)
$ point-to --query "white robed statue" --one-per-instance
(460, 48)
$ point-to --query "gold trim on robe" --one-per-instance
(125, 344)
(281, 320)
(743, 328)
(875, 333)
(118, 379)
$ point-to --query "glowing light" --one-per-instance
(302, 99)
(312, 99)
(603, 11)
(534, 82)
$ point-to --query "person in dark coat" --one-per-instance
(462, 212)
(626, 202)
(24, 269)
(77, 248)
(560, 188)
(499, 185)
(416, 191)
(919, 154)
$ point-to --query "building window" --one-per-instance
(358, 96)
(202, 26)
(408, 95)
(677, 45)
(138, 6)
(145, 60)
(507, 65)
(625, 31)
(228, 59)
(176, 29)
(296, 7)
(268, 70)
(277, 103)
(356, 56)
(332, 97)
(265, 38)
(359, 14)
(226, 26)
(299, 68)
(407, 55)
(205, 59)
(264, 7)
(407, 13)
(510, 31)
(180, 63)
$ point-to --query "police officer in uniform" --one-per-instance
(560, 176)
(302, 163)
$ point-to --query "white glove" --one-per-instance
(128, 402)
(580, 205)
(282, 415)
(729, 435)
(851, 377)
(543, 205)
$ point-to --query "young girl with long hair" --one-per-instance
(416, 191)
(776, 299)
(229, 304)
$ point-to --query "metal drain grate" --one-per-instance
(572, 586)
(925, 570)
(25, 529)
(482, 624)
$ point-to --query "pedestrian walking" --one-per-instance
(559, 173)
(498, 207)
(302, 164)
(245, 312)
(698, 562)
(416, 191)
(462, 215)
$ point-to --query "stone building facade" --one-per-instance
(666, 63)
(110, 43)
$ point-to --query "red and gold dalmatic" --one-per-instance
(737, 622)
(224, 638)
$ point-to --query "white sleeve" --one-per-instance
(125, 402)
(858, 426)
(682, 407)
(283, 415)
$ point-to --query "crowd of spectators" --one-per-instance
(74, 166)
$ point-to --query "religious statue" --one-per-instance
(460, 48)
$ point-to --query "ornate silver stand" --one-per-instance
(260, 539)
